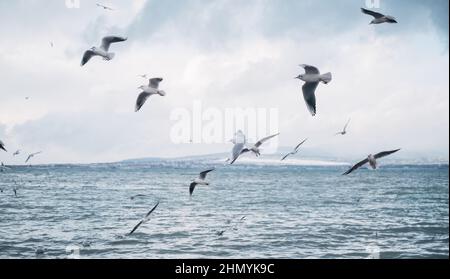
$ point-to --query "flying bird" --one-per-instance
(379, 18)
(144, 220)
(32, 155)
(2, 146)
(16, 153)
(239, 142)
(199, 181)
(344, 131)
(295, 151)
(312, 78)
(147, 91)
(103, 50)
(105, 7)
(372, 160)
(256, 148)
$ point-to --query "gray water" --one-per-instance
(264, 211)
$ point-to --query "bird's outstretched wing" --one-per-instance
(192, 188)
(29, 157)
(154, 82)
(136, 227)
(236, 152)
(309, 95)
(153, 209)
(261, 142)
(142, 98)
(385, 153)
(357, 166)
(300, 144)
(372, 13)
(346, 125)
(107, 41)
(88, 54)
(204, 173)
(2, 146)
(287, 155)
(310, 69)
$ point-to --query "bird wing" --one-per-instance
(37, 153)
(29, 157)
(310, 69)
(300, 144)
(236, 152)
(204, 173)
(88, 54)
(357, 166)
(372, 13)
(154, 82)
(346, 125)
(259, 143)
(287, 155)
(309, 90)
(153, 209)
(107, 41)
(192, 188)
(136, 227)
(2, 146)
(385, 153)
(142, 98)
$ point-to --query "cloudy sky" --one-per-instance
(392, 80)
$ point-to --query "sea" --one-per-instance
(300, 210)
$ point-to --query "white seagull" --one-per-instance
(103, 50)
(151, 89)
(312, 78)
(2, 146)
(295, 151)
(372, 160)
(239, 142)
(16, 153)
(199, 181)
(344, 131)
(256, 148)
(144, 220)
(379, 18)
(32, 155)
(105, 7)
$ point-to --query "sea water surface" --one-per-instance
(264, 211)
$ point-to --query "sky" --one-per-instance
(391, 80)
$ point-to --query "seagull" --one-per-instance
(255, 149)
(372, 160)
(16, 153)
(239, 141)
(32, 155)
(344, 131)
(151, 89)
(199, 181)
(312, 78)
(144, 220)
(2, 146)
(379, 18)
(51, 44)
(295, 150)
(102, 50)
(105, 7)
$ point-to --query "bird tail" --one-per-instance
(326, 78)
